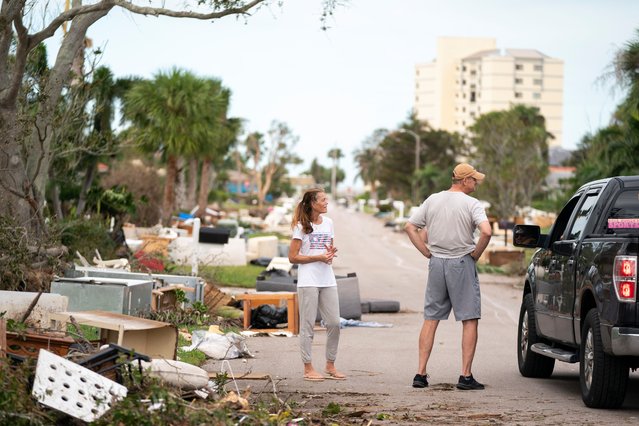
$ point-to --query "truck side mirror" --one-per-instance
(527, 236)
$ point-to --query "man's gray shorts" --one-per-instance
(452, 283)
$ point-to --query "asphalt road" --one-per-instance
(381, 362)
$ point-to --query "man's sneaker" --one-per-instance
(420, 381)
(469, 383)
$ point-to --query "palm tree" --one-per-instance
(169, 114)
(335, 154)
(612, 150)
(368, 160)
(103, 90)
(626, 65)
(225, 137)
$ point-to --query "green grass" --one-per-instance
(237, 276)
(279, 236)
(195, 357)
(489, 269)
(228, 312)
(224, 276)
(89, 332)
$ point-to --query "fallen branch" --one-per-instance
(34, 302)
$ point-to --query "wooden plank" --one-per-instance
(247, 376)
(3, 338)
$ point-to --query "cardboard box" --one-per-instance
(153, 338)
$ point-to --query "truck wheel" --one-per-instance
(603, 377)
(531, 364)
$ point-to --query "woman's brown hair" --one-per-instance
(302, 213)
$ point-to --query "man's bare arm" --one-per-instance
(417, 238)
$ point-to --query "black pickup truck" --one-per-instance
(580, 294)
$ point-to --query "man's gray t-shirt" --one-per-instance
(450, 218)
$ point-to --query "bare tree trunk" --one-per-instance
(374, 190)
(180, 185)
(168, 203)
(203, 198)
(264, 187)
(86, 185)
(57, 204)
(191, 191)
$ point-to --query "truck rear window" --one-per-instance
(624, 215)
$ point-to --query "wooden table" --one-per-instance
(253, 300)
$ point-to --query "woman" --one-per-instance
(312, 248)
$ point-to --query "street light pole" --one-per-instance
(417, 166)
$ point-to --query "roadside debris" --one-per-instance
(177, 373)
(152, 338)
(73, 389)
(219, 346)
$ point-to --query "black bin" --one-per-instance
(214, 235)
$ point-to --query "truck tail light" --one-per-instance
(625, 278)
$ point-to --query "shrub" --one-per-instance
(85, 236)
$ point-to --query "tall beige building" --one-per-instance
(470, 77)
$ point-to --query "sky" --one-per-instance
(334, 88)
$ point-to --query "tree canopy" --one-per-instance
(28, 109)
(179, 115)
(388, 158)
(511, 148)
(612, 151)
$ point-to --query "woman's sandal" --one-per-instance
(313, 378)
(335, 375)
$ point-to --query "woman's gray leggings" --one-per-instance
(326, 300)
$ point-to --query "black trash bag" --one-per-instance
(261, 261)
(268, 316)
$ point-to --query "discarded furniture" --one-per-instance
(252, 300)
(118, 295)
(28, 344)
(347, 288)
(68, 387)
(153, 338)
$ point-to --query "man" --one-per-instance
(442, 230)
